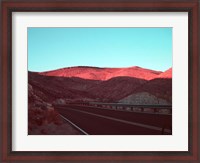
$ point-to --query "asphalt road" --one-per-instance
(94, 121)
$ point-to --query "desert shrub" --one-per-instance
(38, 117)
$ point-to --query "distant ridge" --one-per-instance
(103, 73)
(166, 74)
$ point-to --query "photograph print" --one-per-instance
(99, 81)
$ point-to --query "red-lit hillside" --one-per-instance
(103, 84)
(96, 73)
(158, 90)
(166, 74)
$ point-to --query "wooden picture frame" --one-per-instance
(9, 6)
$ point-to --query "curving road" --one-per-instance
(95, 121)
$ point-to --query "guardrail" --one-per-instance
(151, 109)
(156, 109)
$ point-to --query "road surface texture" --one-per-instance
(96, 121)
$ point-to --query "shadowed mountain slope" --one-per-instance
(160, 87)
(110, 84)
(60, 87)
(116, 88)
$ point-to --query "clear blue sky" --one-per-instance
(53, 48)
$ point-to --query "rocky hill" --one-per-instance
(103, 84)
(159, 88)
(116, 88)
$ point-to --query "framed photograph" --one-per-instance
(100, 80)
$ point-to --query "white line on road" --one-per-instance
(124, 121)
(74, 125)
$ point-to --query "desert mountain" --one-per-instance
(128, 85)
(96, 73)
(52, 88)
(158, 89)
(166, 74)
(61, 87)
(116, 88)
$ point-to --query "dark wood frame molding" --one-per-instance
(9, 6)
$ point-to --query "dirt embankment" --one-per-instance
(43, 119)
